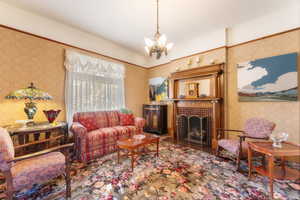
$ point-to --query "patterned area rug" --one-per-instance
(179, 173)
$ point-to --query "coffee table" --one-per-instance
(133, 146)
(274, 172)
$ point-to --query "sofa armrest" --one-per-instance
(139, 122)
(78, 129)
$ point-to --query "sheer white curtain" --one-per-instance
(92, 84)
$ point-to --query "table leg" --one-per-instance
(47, 136)
(249, 162)
(36, 137)
(157, 148)
(264, 161)
(271, 166)
(118, 149)
(132, 159)
(282, 163)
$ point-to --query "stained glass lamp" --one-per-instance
(30, 93)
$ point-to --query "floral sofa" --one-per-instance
(96, 133)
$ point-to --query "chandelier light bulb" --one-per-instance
(162, 40)
(148, 42)
(147, 50)
(169, 46)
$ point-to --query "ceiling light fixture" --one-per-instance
(159, 44)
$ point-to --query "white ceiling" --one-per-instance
(127, 22)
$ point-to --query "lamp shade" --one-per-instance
(31, 93)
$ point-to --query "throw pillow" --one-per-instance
(126, 117)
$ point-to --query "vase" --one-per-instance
(278, 138)
(30, 110)
(51, 115)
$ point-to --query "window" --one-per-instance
(92, 84)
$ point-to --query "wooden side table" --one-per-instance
(21, 136)
(274, 172)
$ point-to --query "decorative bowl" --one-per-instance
(138, 137)
(278, 138)
(51, 115)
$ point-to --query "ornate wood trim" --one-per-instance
(204, 71)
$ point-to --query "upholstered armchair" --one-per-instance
(25, 171)
(255, 128)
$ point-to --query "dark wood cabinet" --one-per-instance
(156, 118)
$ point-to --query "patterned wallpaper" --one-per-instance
(286, 115)
(25, 59)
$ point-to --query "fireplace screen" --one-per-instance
(193, 129)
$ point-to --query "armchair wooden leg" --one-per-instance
(68, 177)
(218, 150)
(9, 195)
(238, 161)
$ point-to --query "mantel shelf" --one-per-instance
(197, 99)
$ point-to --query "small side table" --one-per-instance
(274, 172)
(21, 135)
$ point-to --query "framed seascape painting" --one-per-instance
(158, 88)
(268, 79)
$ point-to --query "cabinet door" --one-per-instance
(152, 117)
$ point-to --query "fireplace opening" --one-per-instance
(194, 129)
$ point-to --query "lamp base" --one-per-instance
(30, 122)
(30, 110)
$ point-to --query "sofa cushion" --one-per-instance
(113, 118)
(87, 119)
(233, 146)
(126, 131)
(126, 119)
(97, 138)
(101, 119)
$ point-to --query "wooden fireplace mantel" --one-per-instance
(214, 101)
(197, 99)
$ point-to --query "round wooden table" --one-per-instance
(274, 172)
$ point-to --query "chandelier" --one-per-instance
(159, 44)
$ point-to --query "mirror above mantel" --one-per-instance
(201, 83)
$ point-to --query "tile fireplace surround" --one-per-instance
(194, 125)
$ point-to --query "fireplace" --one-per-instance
(195, 128)
(197, 118)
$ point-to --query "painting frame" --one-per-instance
(158, 89)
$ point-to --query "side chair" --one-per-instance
(25, 171)
(255, 129)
